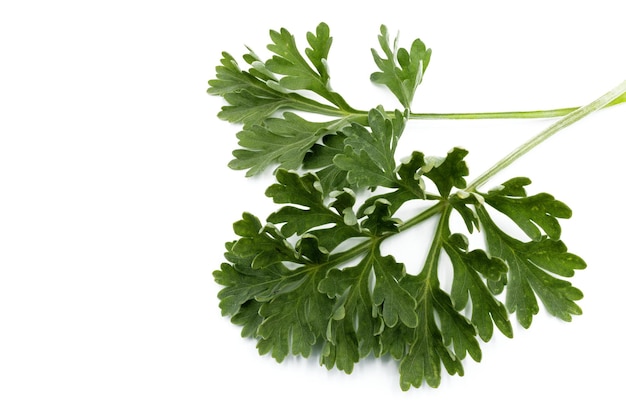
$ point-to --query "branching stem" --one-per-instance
(359, 115)
(432, 260)
(443, 209)
(564, 122)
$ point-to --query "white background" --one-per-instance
(115, 198)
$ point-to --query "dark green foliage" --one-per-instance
(312, 278)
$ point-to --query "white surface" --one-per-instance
(115, 199)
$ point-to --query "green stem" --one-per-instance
(569, 119)
(422, 216)
(429, 270)
(493, 115)
(444, 209)
(558, 112)
(360, 115)
(335, 112)
(351, 253)
(364, 246)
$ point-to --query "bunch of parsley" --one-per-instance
(312, 278)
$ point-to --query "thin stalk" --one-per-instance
(554, 113)
(564, 122)
(429, 271)
(422, 216)
(364, 246)
(351, 253)
(359, 115)
(559, 112)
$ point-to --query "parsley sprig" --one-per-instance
(312, 278)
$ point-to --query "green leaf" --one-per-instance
(313, 279)
(244, 281)
(529, 213)
(302, 191)
(427, 345)
(433, 343)
(248, 108)
(410, 172)
(409, 186)
(248, 318)
(401, 71)
(378, 218)
(369, 156)
(243, 284)
(341, 350)
(309, 293)
(294, 321)
(530, 265)
(447, 172)
(388, 299)
(279, 141)
(261, 245)
(309, 214)
(309, 247)
(320, 160)
(396, 303)
(457, 331)
(250, 98)
(320, 43)
(363, 308)
(297, 73)
(355, 323)
(265, 88)
(471, 268)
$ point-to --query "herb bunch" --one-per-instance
(312, 279)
